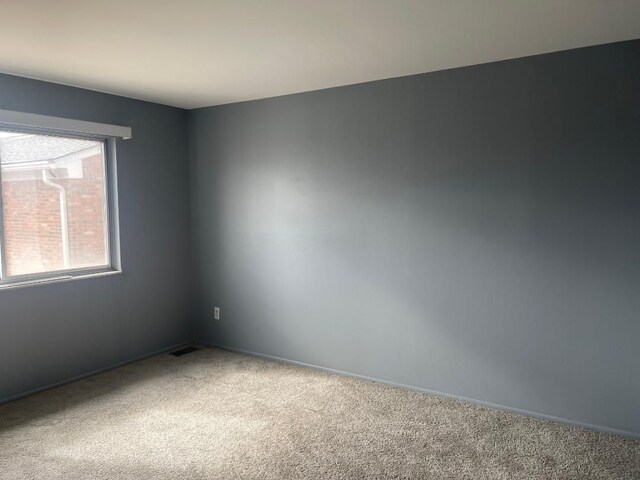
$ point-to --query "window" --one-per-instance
(58, 211)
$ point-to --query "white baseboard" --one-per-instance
(91, 373)
(540, 416)
(496, 406)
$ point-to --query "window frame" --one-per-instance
(112, 235)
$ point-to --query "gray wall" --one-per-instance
(472, 231)
(50, 333)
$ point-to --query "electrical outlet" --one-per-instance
(216, 313)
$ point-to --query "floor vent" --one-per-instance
(184, 351)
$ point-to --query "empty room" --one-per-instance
(320, 239)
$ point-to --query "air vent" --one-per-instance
(184, 351)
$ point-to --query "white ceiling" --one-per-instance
(196, 53)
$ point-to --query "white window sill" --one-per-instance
(62, 278)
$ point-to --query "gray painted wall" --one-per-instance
(50, 333)
(472, 231)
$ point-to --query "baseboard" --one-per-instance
(495, 406)
(92, 372)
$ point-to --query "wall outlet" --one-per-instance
(216, 313)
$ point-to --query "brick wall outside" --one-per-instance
(32, 222)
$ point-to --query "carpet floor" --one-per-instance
(213, 414)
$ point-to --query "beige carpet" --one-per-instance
(218, 415)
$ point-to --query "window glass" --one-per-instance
(53, 202)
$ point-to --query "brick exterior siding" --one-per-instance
(32, 222)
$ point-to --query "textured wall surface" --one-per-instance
(472, 231)
(50, 333)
